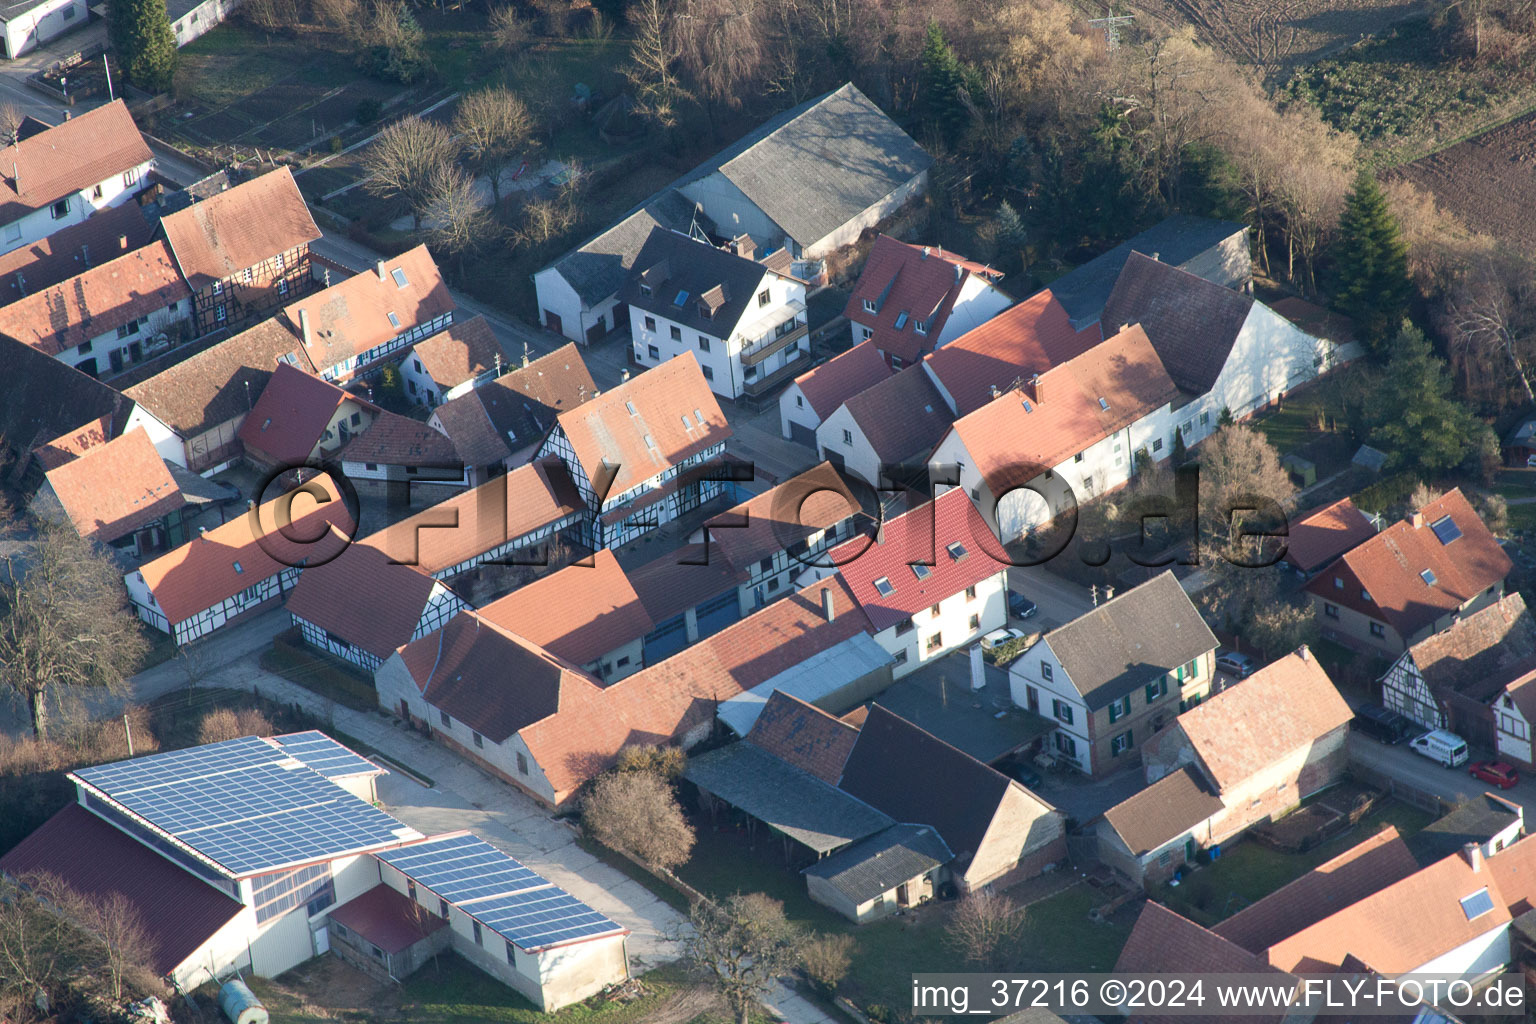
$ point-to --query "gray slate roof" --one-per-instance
(1192, 323)
(598, 269)
(882, 862)
(817, 166)
(1475, 821)
(792, 801)
(1176, 241)
(1163, 811)
(675, 263)
(1126, 643)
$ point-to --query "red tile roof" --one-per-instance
(668, 401)
(1326, 534)
(220, 236)
(781, 516)
(349, 318)
(221, 383)
(1030, 338)
(914, 283)
(1400, 927)
(363, 598)
(116, 488)
(67, 447)
(1286, 706)
(103, 236)
(1388, 568)
(1162, 942)
(902, 417)
(461, 353)
(395, 440)
(85, 150)
(492, 680)
(840, 378)
(291, 415)
(203, 572)
(1359, 871)
(663, 701)
(578, 613)
(675, 581)
(467, 525)
(804, 735)
(96, 301)
(922, 534)
(1072, 407)
(1150, 818)
(386, 918)
(178, 911)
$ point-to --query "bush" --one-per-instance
(335, 144)
(1386, 492)
(826, 959)
(668, 762)
(637, 813)
(226, 724)
(368, 111)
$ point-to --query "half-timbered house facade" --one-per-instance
(640, 455)
(244, 251)
(241, 566)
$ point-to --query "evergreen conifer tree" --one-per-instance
(143, 43)
(1370, 260)
(943, 81)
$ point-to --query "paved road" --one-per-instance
(1450, 784)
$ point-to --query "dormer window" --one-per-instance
(869, 306)
(921, 327)
(645, 289)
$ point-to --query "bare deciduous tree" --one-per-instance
(653, 62)
(826, 959)
(509, 32)
(744, 943)
(1490, 317)
(10, 122)
(981, 924)
(64, 621)
(494, 128)
(406, 160)
(459, 221)
(1239, 469)
(724, 46)
(637, 813)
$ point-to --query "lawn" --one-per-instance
(1058, 936)
(452, 991)
(1248, 872)
(324, 676)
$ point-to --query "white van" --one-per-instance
(1442, 746)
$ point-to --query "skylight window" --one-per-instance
(399, 276)
(630, 406)
(687, 423)
(901, 320)
(1476, 905)
(1027, 406)
(682, 298)
(1446, 529)
(1428, 576)
(240, 569)
(957, 551)
(698, 416)
(394, 321)
(650, 442)
(922, 572)
(884, 586)
(1104, 404)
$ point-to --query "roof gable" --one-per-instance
(829, 385)
(902, 417)
(578, 613)
(1193, 323)
(363, 598)
(1287, 705)
(948, 531)
(1131, 640)
(598, 268)
(1027, 339)
(912, 286)
(1163, 811)
(464, 352)
(1326, 534)
(292, 414)
(84, 150)
(817, 166)
(42, 398)
(803, 735)
(395, 440)
(913, 776)
(241, 227)
(1481, 653)
(674, 409)
(115, 488)
(716, 287)
(1390, 567)
(782, 516)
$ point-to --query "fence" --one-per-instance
(1423, 799)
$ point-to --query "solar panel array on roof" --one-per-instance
(1476, 905)
(246, 805)
(325, 755)
(1446, 529)
(503, 895)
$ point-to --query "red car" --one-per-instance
(1496, 772)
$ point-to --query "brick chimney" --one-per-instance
(304, 326)
(1474, 854)
(828, 604)
(1418, 520)
(1035, 389)
(383, 275)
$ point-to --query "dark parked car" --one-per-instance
(1023, 771)
(1020, 606)
(1383, 725)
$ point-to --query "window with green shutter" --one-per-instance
(1158, 690)
(1120, 708)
